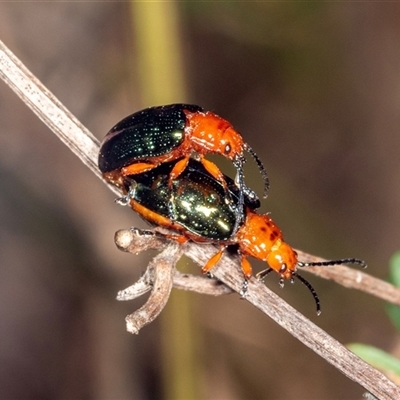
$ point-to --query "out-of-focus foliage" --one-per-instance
(394, 277)
(380, 359)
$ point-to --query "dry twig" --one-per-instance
(85, 146)
(161, 285)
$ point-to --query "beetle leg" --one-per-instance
(179, 167)
(142, 232)
(246, 268)
(219, 176)
(247, 271)
(171, 208)
(114, 177)
(137, 168)
(213, 261)
(177, 237)
(181, 239)
(214, 171)
(125, 200)
(262, 274)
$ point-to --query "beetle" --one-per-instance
(202, 215)
(155, 135)
(199, 210)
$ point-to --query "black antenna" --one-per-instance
(334, 262)
(311, 289)
(260, 167)
(262, 274)
(239, 181)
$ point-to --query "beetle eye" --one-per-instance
(228, 148)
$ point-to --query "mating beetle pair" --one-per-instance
(150, 156)
(176, 132)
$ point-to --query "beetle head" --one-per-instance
(283, 260)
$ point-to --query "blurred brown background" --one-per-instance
(315, 90)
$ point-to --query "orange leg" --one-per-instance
(213, 261)
(114, 177)
(137, 168)
(219, 176)
(246, 268)
(179, 167)
(177, 238)
(214, 171)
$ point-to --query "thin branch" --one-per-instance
(198, 284)
(137, 240)
(229, 272)
(50, 110)
(82, 143)
(164, 266)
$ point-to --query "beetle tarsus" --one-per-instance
(245, 287)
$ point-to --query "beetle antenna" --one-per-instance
(239, 181)
(262, 274)
(362, 263)
(260, 167)
(311, 289)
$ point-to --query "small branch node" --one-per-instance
(163, 267)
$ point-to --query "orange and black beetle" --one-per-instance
(156, 135)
